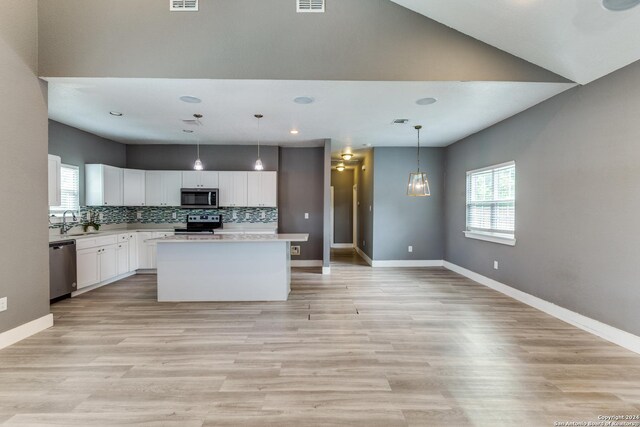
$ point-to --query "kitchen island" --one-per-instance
(247, 267)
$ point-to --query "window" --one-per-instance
(491, 203)
(70, 189)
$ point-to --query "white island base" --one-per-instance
(225, 268)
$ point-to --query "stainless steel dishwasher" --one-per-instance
(62, 269)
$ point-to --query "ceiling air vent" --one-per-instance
(400, 121)
(183, 5)
(310, 6)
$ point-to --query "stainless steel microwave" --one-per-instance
(199, 198)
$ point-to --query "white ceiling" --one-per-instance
(352, 114)
(577, 39)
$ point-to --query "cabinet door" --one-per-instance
(143, 254)
(55, 198)
(87, 267)
(112, 182)
(240, 188)
(108, 262)
(254, 197)
(209, 179)
(225, 184)
(153, 188)
(190, 179)
(269, 189)
(133, 192)
(172, 183)
(122, 257)
(133, 252)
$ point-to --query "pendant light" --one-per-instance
(259, 166)
(418, 182)
(340, 167)
(198, 164)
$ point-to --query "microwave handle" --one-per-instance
(209, 198)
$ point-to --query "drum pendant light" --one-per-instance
(259, 166)
(418, 182)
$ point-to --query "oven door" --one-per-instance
(199, 198)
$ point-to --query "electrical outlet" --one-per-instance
(3, 304)
(139, 215)
(234, 215)
(247, 215)
(174, 215)
(410, 248)
(306, 215)
(295, 250)
(495, 265)
(263, 215)
(364, 243)
(101, 216)
(370, 208)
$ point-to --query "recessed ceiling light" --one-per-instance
(619, 5)
(304, 100)
(426, 101)
(294, 132)
(187, 131)
(115, 113)
(190, 99)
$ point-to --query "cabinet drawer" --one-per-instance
(92, 242)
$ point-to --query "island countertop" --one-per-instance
(231, 238)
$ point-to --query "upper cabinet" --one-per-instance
(163, 188)
(200, 179)
(104, 185)
(134, 184)
(262, 189)
(55, 196)
(233, 189)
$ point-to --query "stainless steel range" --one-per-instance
(201, 224)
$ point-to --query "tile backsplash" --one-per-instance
(164, 215)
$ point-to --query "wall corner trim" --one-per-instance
(306, 263)
(614, 335)
(21, 332)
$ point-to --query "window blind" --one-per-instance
(70, 190)
(491, 199)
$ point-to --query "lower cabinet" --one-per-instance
(88, 267)
(132, 239)
(108, 263)
(122, 255)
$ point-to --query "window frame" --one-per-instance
(500, 237)
(57, 213)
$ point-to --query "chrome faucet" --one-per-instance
(66, 227)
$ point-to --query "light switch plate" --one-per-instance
(139, 215)
(101, 216)
(410, 248)
(306, 215)
(3, 304)
(495, 265)
(174, 215)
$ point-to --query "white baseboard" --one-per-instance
(342, 245)
(604, 331)
(408, 263)
(21, 332)
(326, 270)
(101, 284)
(364, 256)
(306, 263)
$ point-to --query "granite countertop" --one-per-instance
(227, 238)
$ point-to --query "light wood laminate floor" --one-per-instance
(362, 347)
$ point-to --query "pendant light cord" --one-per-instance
(418, 150)
(259, 137)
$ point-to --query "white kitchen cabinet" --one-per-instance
(233, 189)
(54, 165)
(200, 179)
(132, 239)
(133, 192)
(122, 257)
(145, 253)
(88, 267)
(104, 185)
(108, 262)
(262, 189)
(163, 188)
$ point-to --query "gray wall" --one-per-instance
(252, 39)
(365, 201)
(401, 221)
(300, 190)
(79, 148)
(24, 260)
(342, 183)
(577, 200)
(214, 157)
